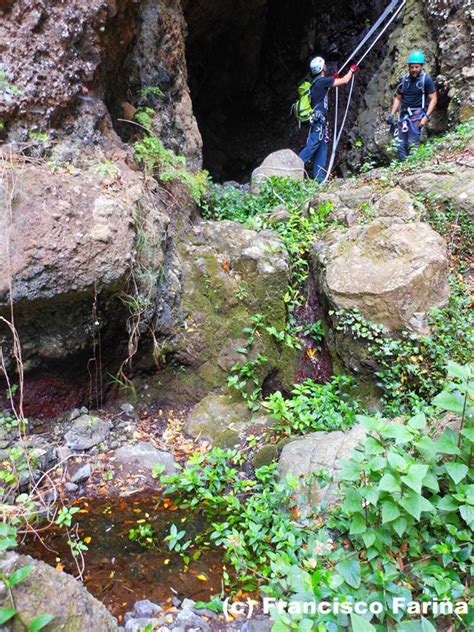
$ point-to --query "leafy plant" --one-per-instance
(8, 613)
(166, 165)
(413, 368)
(403, 525)
(143, 534)
(249, 518)
(244, 380)
(312, 406)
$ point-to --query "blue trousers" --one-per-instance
(408, 135)
(317, 149)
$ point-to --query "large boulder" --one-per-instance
(230, 274)
(392, 272)
(48, 591)
(318, 450)
(284, 163)
(67, 248)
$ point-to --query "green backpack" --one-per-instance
(302, 109)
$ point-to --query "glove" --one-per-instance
(391, 120)
(354, 67)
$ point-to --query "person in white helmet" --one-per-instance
(317, 143)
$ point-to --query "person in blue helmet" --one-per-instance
(416, 98)
(317, 143)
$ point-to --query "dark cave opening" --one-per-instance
(245, 60)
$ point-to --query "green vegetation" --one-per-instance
(404, 524)
(413, 368)
(245, 514)
(163, 163)
(312, 406)
(227, 202)
(402, 527)
(453, 141)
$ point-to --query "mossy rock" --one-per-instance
(265, 455)
(219, 419)
(230, 274)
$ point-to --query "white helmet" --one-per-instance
(317, 65)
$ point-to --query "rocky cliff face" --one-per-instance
(443, 29)
(71, 70)
(95, 253)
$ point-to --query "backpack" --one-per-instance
(302, 109)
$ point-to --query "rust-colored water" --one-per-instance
(120, 572)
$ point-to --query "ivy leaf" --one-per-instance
(447, 442)
(373, 447)
(352, 501)
(426, 626)
(457, 370)
(359, 624)
(453, 402)
(431, 482)
(468, 433)
(19, 575)
(388, 483)
(400, 526)
(415, 504)
(369, 538)
(467, 512)
(371, 494)
(447, 503)
(350, 471)
(414, 477)
(418, 422)
(371, 423)
(358, 525)
(6, 614)
(377, 463)
(349, 570)
(390, 511)
(399, 432)
(457, 471)
(40, 622)
(426, 447)
(397, 461)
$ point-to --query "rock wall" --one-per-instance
(442, 29)
(72, 68)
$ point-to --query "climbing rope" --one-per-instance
(394, 8)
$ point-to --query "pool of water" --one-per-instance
(118, 571)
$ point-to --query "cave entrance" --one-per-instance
(245, 59)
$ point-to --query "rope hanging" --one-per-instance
(396, 7)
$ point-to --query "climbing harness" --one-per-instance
(363, 49)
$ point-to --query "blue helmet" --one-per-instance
(416, 57)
